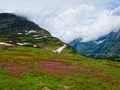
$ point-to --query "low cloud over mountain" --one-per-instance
(69, 19)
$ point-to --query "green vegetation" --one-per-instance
(29, 68)
(16, 28)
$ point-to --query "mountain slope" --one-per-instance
(18, 30)
(107, 46)
(17, 24)
(110, 47)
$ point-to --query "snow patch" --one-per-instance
(24, 43)
(35, 46)
(36, 35)
(3, 43)
(99, 42)
(60, 49)
(19, 33)
(45, 36)
(31, 31)
(39, 38)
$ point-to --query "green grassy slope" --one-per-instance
(28, 68)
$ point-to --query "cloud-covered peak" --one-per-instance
(69, 19)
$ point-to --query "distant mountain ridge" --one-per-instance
(104, 47)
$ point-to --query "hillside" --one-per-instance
(105, 47)
(27, 63)
(16, 30)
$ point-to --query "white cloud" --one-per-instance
(116, 11)
(69, 19)
(67, 25)
(83, 22)
(103, 25)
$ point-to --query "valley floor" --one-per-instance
(27, 68)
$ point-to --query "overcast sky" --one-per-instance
(69, 19)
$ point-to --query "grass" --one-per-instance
(27, 68)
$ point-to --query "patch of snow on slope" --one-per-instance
(31, 31)
(99, 42)
(3, 43)
(22, 43)
(60, 49)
